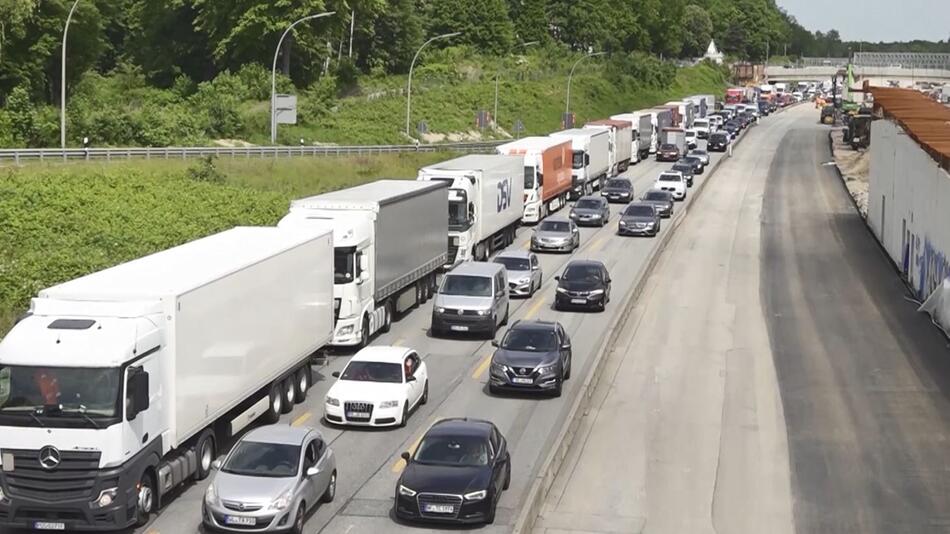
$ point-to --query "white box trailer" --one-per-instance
(644, 133)
(687, 111)
(131, 377)
(621, 142)
(389, 241)
(590, 161)
(485, 202)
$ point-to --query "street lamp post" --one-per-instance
(62, 88)
(273, 74)
(413, 64)
(497, 74)
(571, 77)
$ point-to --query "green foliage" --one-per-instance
(205, 170)
(485, 24)
(697, 30)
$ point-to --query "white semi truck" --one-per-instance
(547, 174)
(590, 161)
(485, 203)
(118, 386)
(389, 241)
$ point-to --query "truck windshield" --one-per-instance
(68, 392)
(459, 219)
(466, 286)
(577, 162)
(344, 265)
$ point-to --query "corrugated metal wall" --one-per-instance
(909, 206)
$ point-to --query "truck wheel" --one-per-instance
(387, 317)
(364, 335)
(287, 396)
(302, 382)
(206, 455)
(145, 499)
(276, 406)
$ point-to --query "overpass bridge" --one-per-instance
(879, 68)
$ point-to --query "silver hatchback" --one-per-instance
(269, 481)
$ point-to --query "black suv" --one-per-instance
(718, 142)
(687, 170)
(583, 284)
(534, 355)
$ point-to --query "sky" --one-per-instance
(874, 20)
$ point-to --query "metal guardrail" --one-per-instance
(20, 155)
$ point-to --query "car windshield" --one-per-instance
(530, 340)
(618, 184)
(639, 211)
(555, 226)
(255, 459)
(59, 391)
(582, 273)
(667, 147)
(458, 451)
(514, 264)
(359, 371)
(683, 167)
(466, 285)
(656, 195)
(669, 178)
(588, 203)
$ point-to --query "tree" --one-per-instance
(697, 30)
(484, 24)
(390, 41)
(530, 20)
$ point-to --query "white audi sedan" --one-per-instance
(379, 386)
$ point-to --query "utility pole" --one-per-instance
(352, 23)
(567, 108)
(411, 66)
(497, 74)
(62, 88)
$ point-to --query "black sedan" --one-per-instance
(583, 284)
(718, 142)
(668, 152)
(456, 475)
(732, 128)
(687, 170)
(617, 190)
(533, 356)
(661, 200)
(639, 218)
(698, 165)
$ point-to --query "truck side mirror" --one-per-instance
(364, 268)
(586, 159)
(137, 399)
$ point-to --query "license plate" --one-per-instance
(357, 415)
(517, 380)
(47, 525)
(578, 301)
(440, 508)
(239, 520)
(458, 328)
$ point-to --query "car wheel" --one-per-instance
(287, 394)
(507, 473)
(559, 388)
(425, 393)
(493, 330)
(504, 320)
(405, 415)
(302, 382)
(492, 389)
(567, 372)
(490, 518)
(145, 500)
(330, 493)
(297, 528)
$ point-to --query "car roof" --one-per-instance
(520, 254)
(678, 173)
(461, 426)
(637, 203)
(533, 325)
(557, 218)
(591, 197)
(583, 263)
(654, 191)
(280, 434)
(477, 268)
(381, 353)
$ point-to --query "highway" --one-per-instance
(772, 377)
(368, 460)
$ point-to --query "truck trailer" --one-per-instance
(485, 203)
(590, 158)
(686, 110)
(621, 142)
(120, 385)
(389, 241)
(674, 136)
(547, 174)
(644, 135)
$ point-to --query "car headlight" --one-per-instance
(106, 497)
(388, 404)
(483, 312)
(211, 495)
(497, 367)
(561, 290)
(476, 495)
(547, 369)
(623, 223)
(596, 216)
(596, 292)
(345, 330)
(439, 309)
(282, 502)
(333, 401)
(651, 224)
(573, 215)
(406, 492)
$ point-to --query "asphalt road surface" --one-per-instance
(773, 378)
(368, 460)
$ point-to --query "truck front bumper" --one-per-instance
(348, 332)
(71, 515)
(532, 213)
(461, 324)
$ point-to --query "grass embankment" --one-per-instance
(64, 221)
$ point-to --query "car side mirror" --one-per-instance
(566, 346)
(410, 378)
(557, 278)
(335, 374)
(406, 456)
(494, 343)
(313, 471)
(216, 464)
